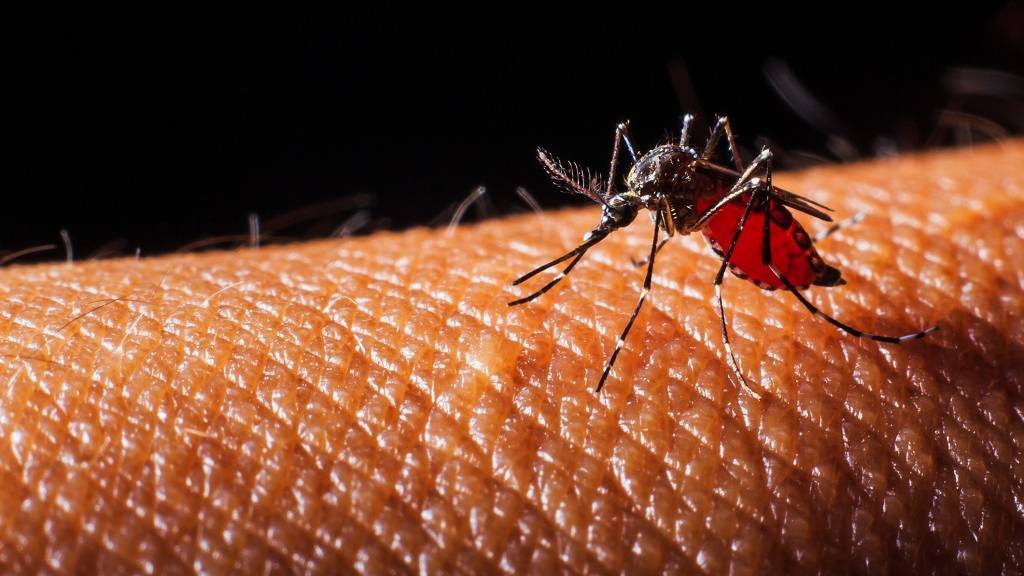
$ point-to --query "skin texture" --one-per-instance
(372, 405)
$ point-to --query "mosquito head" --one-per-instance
(662, 170)
(620, 210)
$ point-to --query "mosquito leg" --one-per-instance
(838, 226)
(640, 302)
(716, 135)
(621, 135)
(743, 185)
(684, 135)
(592, 238)
(722, 127)
(845, 327)
(551, 284)
(720, 277)
(766, 258)
(732, 145)
(733, 363)
(639, 263)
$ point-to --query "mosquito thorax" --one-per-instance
(663, 170)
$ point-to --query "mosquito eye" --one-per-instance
(619, 213)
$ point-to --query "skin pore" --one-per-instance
(373, 405)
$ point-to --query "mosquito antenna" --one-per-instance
(571, 178)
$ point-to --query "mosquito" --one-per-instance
(686, 190)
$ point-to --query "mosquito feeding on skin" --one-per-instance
(745, 219)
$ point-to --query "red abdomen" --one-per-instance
(792, 251)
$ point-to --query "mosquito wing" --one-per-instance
(794, 201)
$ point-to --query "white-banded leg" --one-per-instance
(846, 327)
(751, 185)
(640, 302)
(743, 185)
(766, 258)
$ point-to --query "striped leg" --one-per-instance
(766, 258)
(846, 327)
(740, 189)
(640, 302)
(549, 285)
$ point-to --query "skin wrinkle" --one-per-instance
(373, 405)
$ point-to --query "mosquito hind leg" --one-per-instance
(766, 259)
(846, 327)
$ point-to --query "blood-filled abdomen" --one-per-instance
(793, 252)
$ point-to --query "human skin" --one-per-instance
(373, 405)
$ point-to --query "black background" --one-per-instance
(153, 128)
